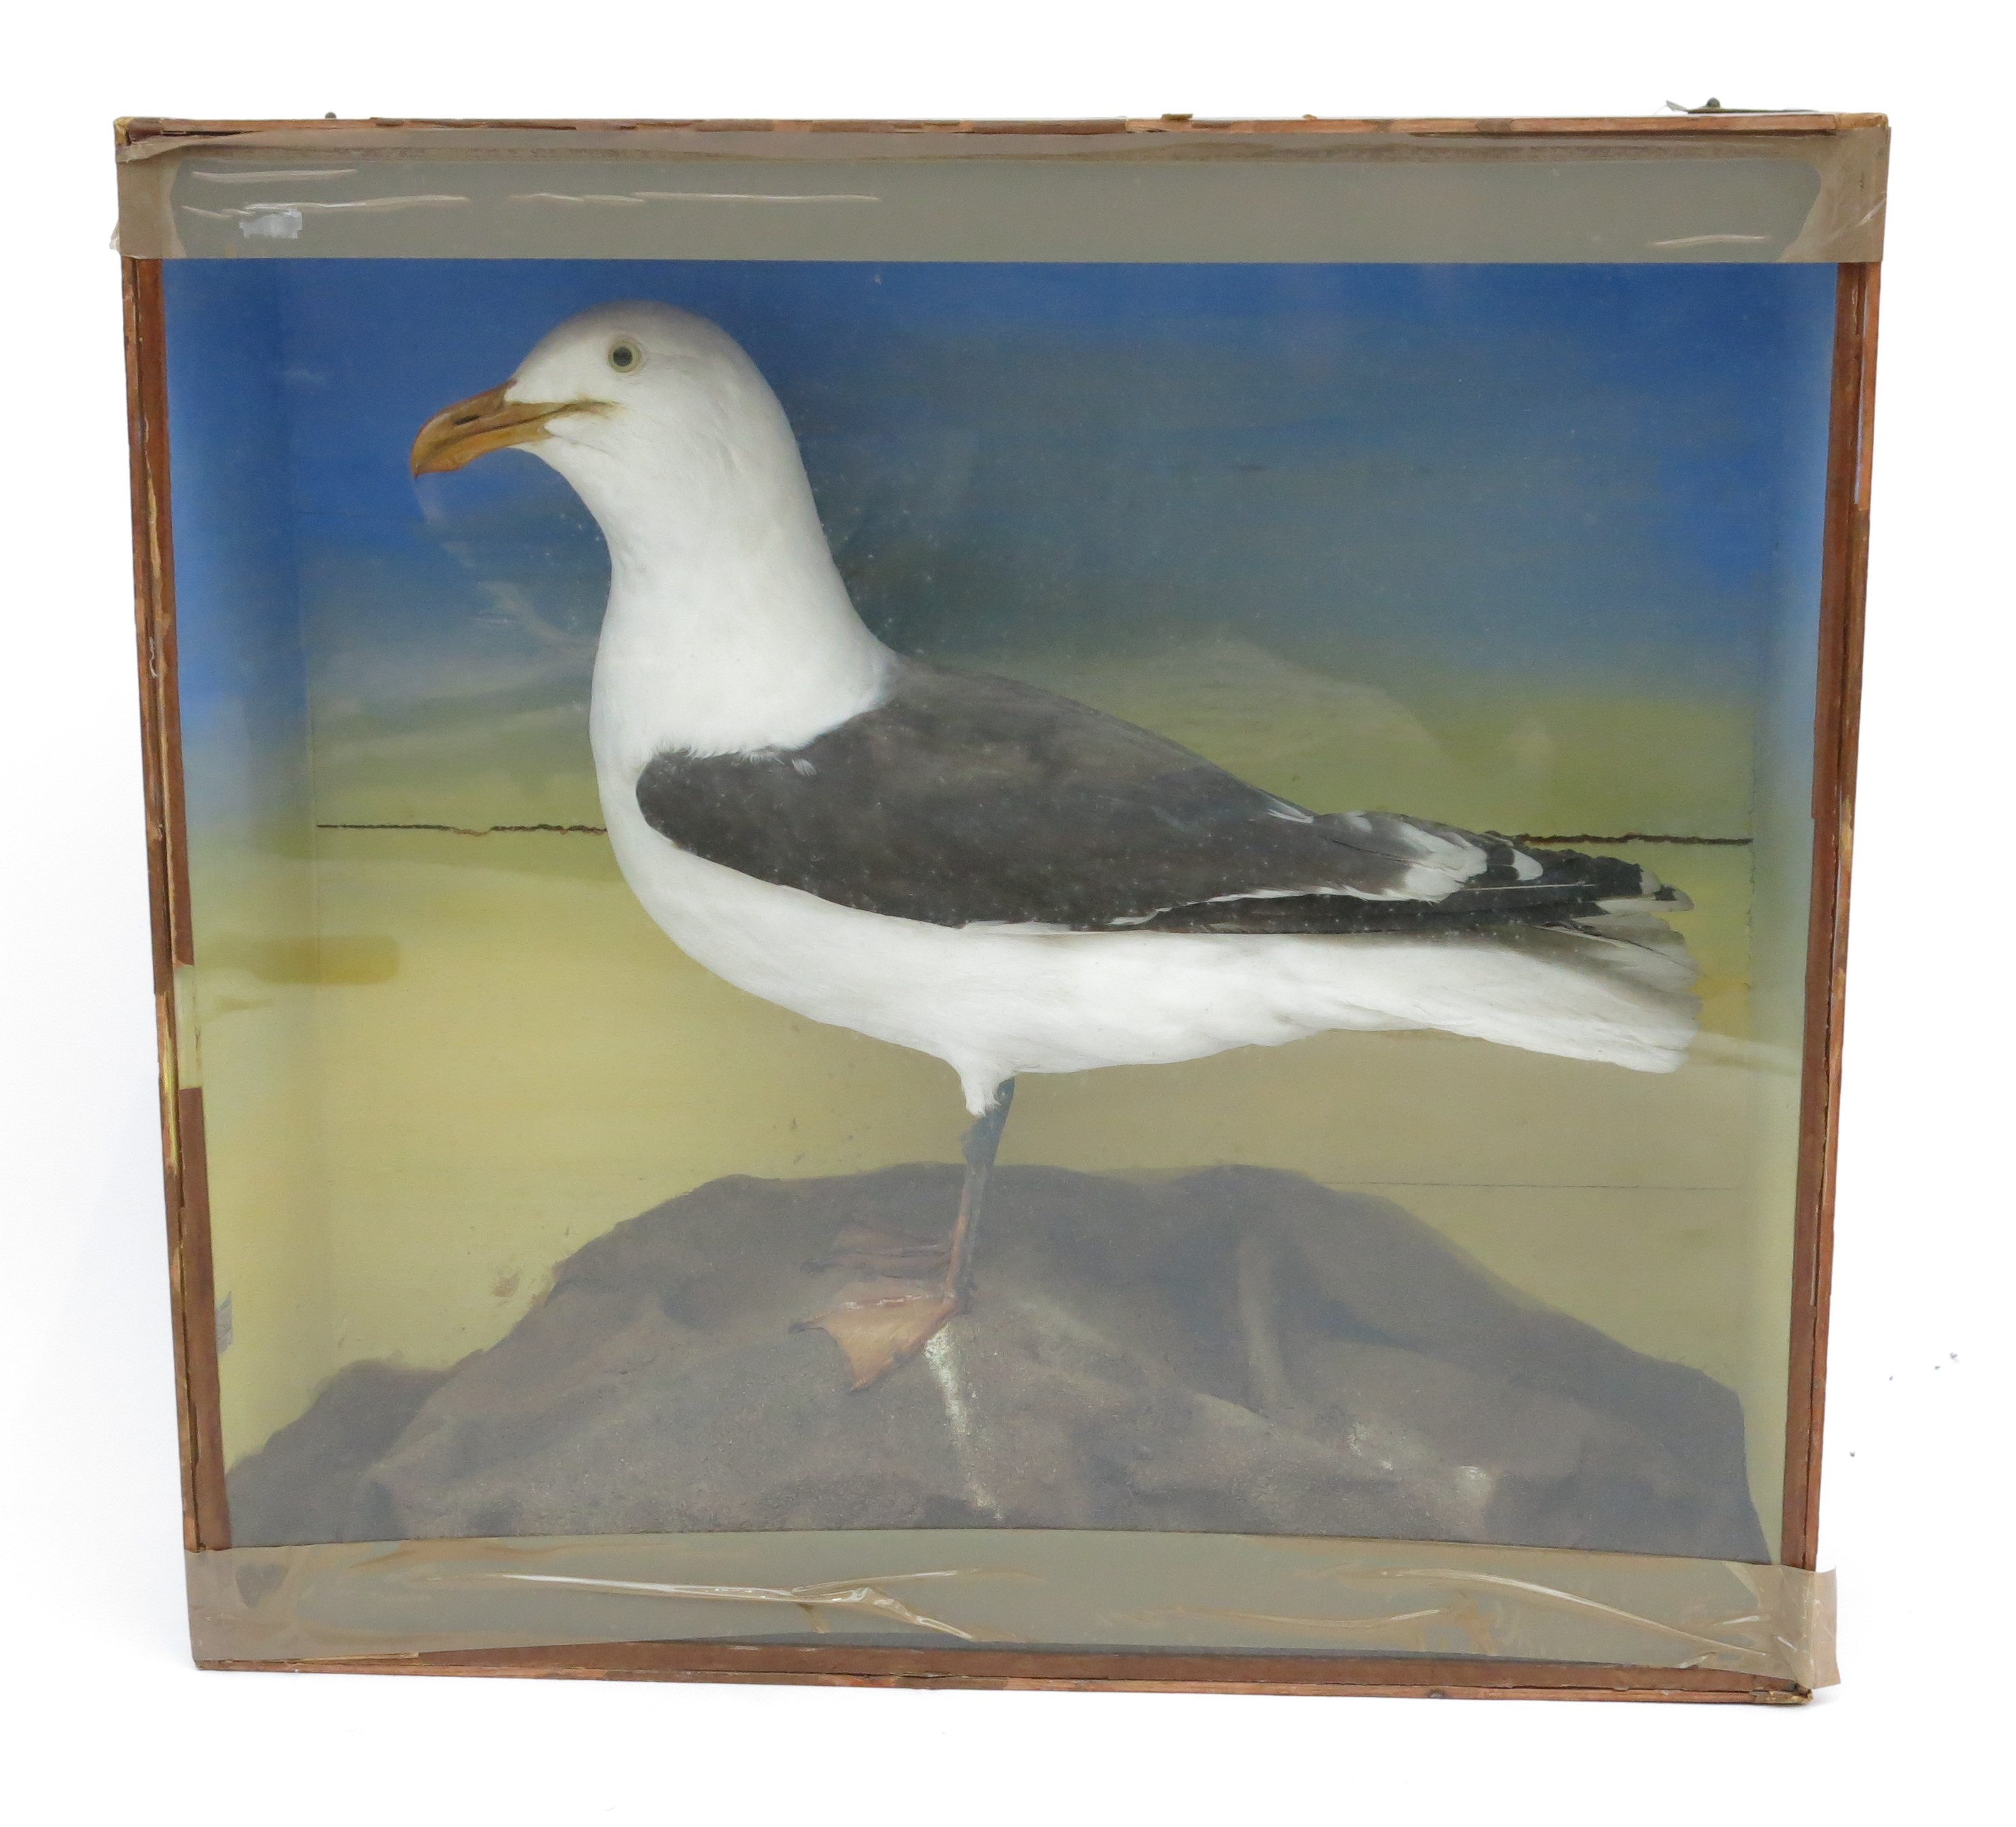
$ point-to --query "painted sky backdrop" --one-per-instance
(1609, 476)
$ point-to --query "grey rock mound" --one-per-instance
(1239, 1350)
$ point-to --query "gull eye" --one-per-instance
(624, 356)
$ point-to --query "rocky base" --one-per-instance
(1240, 1350)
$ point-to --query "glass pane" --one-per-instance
(1523, 549)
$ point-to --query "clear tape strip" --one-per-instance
(1343, 197)
(1083, 1590)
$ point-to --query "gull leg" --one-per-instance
(981, 1142)
(882, 1324)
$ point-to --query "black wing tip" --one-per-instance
(1572, 885)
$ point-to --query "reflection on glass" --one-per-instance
(1531, 550)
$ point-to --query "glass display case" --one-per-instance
(690, 666)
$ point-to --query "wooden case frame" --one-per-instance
(1844, 554)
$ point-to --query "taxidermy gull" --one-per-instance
(991, 874)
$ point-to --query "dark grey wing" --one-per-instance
(963, 799)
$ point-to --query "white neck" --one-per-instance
(728, 629)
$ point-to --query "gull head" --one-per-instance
(618, 389)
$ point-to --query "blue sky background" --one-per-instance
(1588, 475)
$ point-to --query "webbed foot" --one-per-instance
(882, 1324)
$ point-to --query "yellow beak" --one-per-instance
(487, 422)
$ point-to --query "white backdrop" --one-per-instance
(105, 1720)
